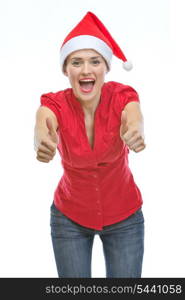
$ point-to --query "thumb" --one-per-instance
(123, 127)
(52, 130)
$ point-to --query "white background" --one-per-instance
(150, 32)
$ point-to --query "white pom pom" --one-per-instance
(127, 65)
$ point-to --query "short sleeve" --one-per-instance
(127, 94)
(52, 102)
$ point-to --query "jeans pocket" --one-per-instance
(139, 214)
(57, 221)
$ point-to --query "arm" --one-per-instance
(132, 126)
(134, 114)
(42, 114)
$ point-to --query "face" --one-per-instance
(86, 70)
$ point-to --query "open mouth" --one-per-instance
(86, 85)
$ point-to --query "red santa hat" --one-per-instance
(90, 33)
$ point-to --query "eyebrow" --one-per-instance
(79, 58)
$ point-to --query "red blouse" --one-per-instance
(97, 187)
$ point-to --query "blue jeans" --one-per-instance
(123, 246)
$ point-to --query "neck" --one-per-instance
(89, 107)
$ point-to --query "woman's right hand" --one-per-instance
(45, 142)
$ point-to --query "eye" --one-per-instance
(96, 62)
(76, 63)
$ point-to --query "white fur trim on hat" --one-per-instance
(85, 42)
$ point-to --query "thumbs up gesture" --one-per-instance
(132, 133)
(46, 142)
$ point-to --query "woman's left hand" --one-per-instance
(132, 134)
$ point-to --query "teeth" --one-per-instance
(87, 80)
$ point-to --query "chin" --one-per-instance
(86, 97)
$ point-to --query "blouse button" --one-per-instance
(99, 213)
(96, 189)
(94, 175)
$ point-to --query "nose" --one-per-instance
(86, 69)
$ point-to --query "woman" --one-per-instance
(92, 124)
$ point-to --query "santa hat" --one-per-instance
(90, 33)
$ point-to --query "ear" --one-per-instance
(107, 68)
(65, 72)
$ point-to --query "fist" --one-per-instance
(132, 134)
(46, 144)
